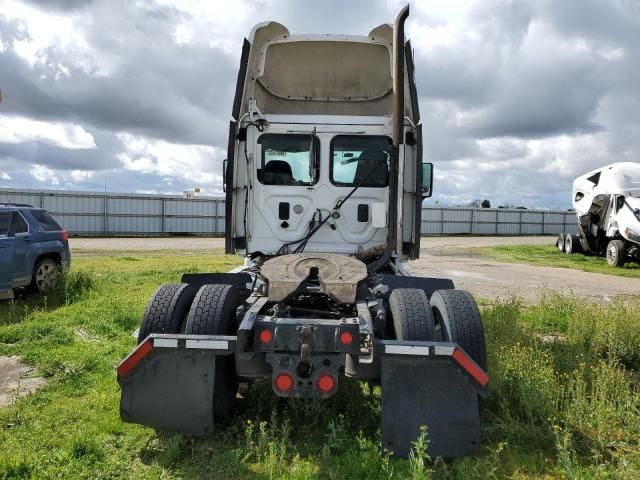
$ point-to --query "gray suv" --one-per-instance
(33, 249)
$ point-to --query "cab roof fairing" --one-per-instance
(321, 74)
(616, 178)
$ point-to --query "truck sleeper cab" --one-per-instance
(324, 182)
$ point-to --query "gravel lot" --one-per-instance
(441, 257)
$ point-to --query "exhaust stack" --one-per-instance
(398, 74)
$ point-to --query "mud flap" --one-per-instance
(167, 382)
(434, 385)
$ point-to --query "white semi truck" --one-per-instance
(324, 185)
(607, 206)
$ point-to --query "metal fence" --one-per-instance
(91, 213)
(496, 221)
(102, 214)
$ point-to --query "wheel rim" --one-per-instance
(611, 254)
(45, 276)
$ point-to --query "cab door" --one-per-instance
(6, 255)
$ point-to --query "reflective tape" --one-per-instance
(448, 351)
(208, 344)
(406, 350)
(165, 343)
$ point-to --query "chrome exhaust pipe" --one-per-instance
(398, 75)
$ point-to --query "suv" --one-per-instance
(33, 248)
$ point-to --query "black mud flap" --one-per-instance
(430, 384)
(167, 382)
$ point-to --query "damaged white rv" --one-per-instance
(607, 204)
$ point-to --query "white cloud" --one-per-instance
(198, 164)
(81, 175)
(44, 175)
(62, 134)
(5, 176)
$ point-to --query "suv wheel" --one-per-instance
(45, 275)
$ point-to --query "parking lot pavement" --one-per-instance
(145, 243)
(208, 243)
(489, 279)
(444, 257)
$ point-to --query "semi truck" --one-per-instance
(607, 205)
(324, 185)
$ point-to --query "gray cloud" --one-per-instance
(524, 97)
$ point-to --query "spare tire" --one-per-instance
(458, 317)
(166, 310)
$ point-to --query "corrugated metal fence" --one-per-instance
(92, 213)
(496, 221)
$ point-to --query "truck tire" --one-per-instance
(616, 252)
(560, 242)
(571, 244)
(213, 312)
(412, 315)
(166, 310)
(458, 317)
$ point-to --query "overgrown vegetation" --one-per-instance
(564, 399)
(549, 256)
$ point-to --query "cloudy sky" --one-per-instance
(517, 97)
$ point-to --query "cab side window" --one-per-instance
(18, 225)
(5, 220)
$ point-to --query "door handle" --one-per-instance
(27, 238)
(2, 245)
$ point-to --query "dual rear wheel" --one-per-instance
(211, 310)
(450, 316)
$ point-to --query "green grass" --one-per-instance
(564, 400)
(549, 256)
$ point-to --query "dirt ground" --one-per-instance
(446, 257)
(16, 380)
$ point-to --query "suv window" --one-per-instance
(356, 159)
(45, 220)
(18, 225)
(5, 220)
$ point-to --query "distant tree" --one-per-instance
(485, 204)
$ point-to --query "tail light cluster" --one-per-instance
(64, 235)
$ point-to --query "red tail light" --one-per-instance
(346, 338)
(266, 336)
(326, 383)
(64, 235)
(284, 382)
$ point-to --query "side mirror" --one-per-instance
(225, 163)
(427, 180)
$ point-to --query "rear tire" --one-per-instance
(560, 242)
(166, 310)
(45, 276)
(412, 315)
(616, 253)
(571, 244)
(459, 319)
(213, 312)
